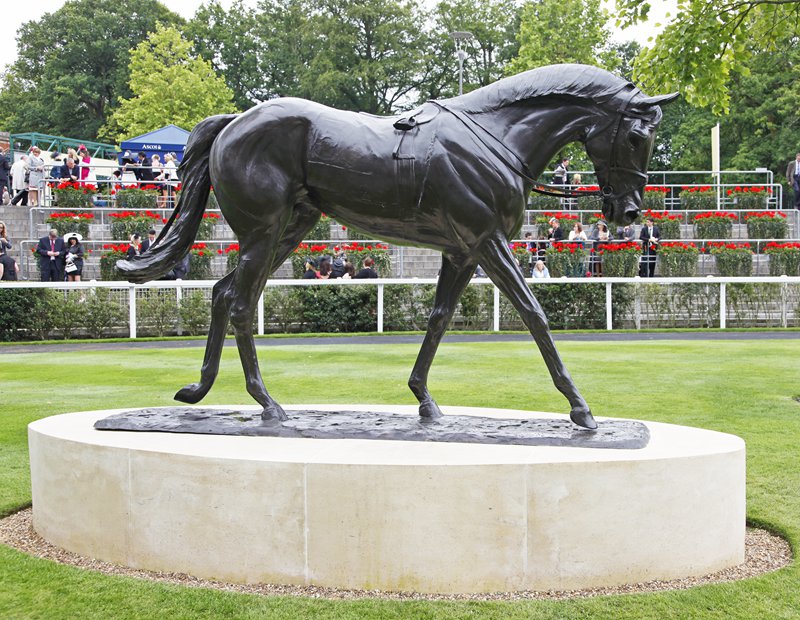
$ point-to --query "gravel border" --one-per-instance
(764, 553)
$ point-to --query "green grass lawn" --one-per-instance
(740, 387)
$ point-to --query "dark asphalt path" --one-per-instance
(402, 339)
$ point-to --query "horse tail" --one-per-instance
(178, 234)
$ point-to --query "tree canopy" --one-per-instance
(706, 44)
(169, 85)
(73, 65)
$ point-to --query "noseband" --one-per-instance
(520, 168)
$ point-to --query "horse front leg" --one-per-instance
(500, 265)
(453, 280)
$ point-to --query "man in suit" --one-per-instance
(143, 169)
(52, 253)
(649, 236)
(556, 234)
(793, 177)
(70, 171)
(148, 243)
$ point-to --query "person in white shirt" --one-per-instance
(19, 181)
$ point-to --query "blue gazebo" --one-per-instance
(169, 139)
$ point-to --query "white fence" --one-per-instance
(713, 289)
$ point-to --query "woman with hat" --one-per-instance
(74, 258)
(36, 176)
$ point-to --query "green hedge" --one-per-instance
(766, 225)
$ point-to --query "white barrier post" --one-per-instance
(609, 313)
(723, 305)
(261, 314)
(380, 308)
(132, 310)
(496, 318)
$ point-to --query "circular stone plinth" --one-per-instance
(391, 515)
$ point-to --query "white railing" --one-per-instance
(179, 287)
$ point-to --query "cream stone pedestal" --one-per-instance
(391, 515)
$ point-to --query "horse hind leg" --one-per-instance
(249, 281)
(303, 219)
(454, 278)
(502, 268)
(220, 309)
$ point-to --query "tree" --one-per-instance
(559, 31)
(494, 25)
(229, 40)
(182, 89)
(707, 43)
(73, 65)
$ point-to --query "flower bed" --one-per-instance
(714, 225)
(654, 197)
(620, 260)
(522, 252)
(231, 254)
(136, 196)
(766, 225)
(559, 215)
(108, 260)
(749, 196)
(733, 259)
(199, 262)
(125, 223)
(669, 225)
(588, 203)
(72, 196)
(206, 229)
(677, 259)
(71, 221)
(566, 259)
(698, 197)
(356, 253)
(784, 258)
(304, 251)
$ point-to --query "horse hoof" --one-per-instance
(583, 417)
(274, 413)
(191, 394)
(429, 410)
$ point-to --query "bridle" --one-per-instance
(520, 168)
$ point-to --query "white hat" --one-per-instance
(69, 236)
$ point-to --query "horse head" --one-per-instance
(620, 148)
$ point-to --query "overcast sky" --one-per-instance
(14, 14)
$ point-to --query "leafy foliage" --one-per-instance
(560, 31)
(72, 65)
(183, 90)
(706, 45)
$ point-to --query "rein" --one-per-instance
(521, 168)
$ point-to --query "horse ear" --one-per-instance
(657, 100)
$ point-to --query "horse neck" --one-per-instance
(537, 131)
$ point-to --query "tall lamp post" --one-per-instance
(460, 38)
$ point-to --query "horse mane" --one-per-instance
(572, 80)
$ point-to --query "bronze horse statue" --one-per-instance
(452, 175)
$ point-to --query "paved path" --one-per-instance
(402, 339)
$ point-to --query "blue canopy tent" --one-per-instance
(169, 139)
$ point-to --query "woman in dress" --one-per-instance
(135, 246)
(170, 179)
(36, 177)
(8, 266)
(87, 175)
(74, 258)
(540, 270)
(577, 234)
